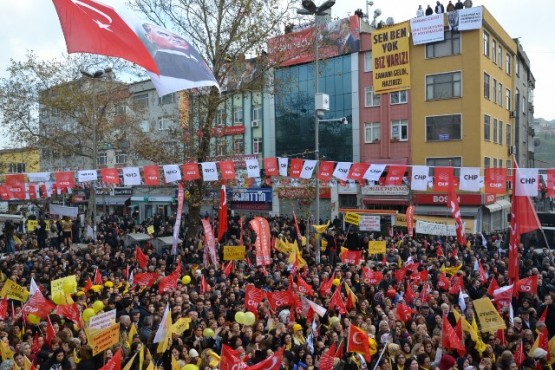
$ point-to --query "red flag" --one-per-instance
(168, 283)
(303, 286)
(400, 274)
(4, 308)
(271, 166)
(88, 285)
(543, 342)
(527, 285)
(336, 302)
(95, 28)
(191, 171)
(420, 276)
(151, 175)
(110, 175)
(395, 175)
(404, 312)
(456, 284)
(32, 191)
(371, 277)
(453, 204)
(449, 338)
(519, 354)
(16, 185)
(145, 279)
(230, 359)
(64, 180)
(297, 229)
(543, 316)
(409, 294)
(271, 363)
(222, 217)
(141, 258)
(70, 312)
(114, 363)
(439, 251)
(523, 210)
(43, 192)
(340, 352)
(495, 180)
(514, 242)
(443, 282)
(326, 361)
(38, 306)
(228, 268)
(295, 167)
(358, 342)
(351, 257)
(35, 347)
(443, 178)
(253, 298)
(279, 299)
(326, 285)
(493, 285)
(325, 172)
(482, 272)
(227, 169)
(50, 332)
(204, 286)
(357, 171)
(98, 277)
(425, 294)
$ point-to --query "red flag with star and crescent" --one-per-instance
(358, 342)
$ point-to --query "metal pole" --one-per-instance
(94, 158)
(317, 139)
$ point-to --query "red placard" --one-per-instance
(110, 175)
(326, 170)
(151, 175)
(356, 171)
(443, 176)
(64, 180)
(271, 166)
(395, 175)
(191, 171)
(227, 168)
(295, 167)
(496, 180)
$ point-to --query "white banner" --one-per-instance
(427, 29)
(103, 320)
(59, 210)
(131, 176)
(253, 169)
(430, 228)
(209, 171)
(526, 182)
(308, 168)
(283, 163)
(342, 170)
(419, 179)
(470, 179)
(171, 173)
(369, 223)
(374, 172)
(87, 175)
(39, 176)
(467, 19)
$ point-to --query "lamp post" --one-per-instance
(321, 100)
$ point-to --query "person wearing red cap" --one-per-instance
(447, 362)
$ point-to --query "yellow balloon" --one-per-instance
(190, 367)
(336, 281)
(249, 318)
(98, 306)
(59, 298)
(96, 288)
(33, 319)
(69, 287)
(207, 332)
(186, 279)
(87, 314)
(239, 317)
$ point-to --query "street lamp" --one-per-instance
(321, 100)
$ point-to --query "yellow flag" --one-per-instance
(142, 356)
(131, 334)
(214, 359)
(350, 293)
(5, 351)
(321, 228)
(450, 270)
(480, 345)
(164, 342)
(282, 246)
(130, 363)
(16, 240)
(534, 346)
(467, 328)
(175, 366)
(76, 358)
(27, 364)
(296, 257)
(552, 349)
(150, 366)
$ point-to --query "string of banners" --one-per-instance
(528, 181)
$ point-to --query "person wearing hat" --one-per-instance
(194, 357)
(447, 362)
(298, 337)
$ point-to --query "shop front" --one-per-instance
(256, 201)
(385, 197)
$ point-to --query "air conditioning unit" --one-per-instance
(512, 114)
(512, 150)
(255, 123)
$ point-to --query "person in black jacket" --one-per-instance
(87, 361)
(58, 361)
(429, 10)
(549, 315)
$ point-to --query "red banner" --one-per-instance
(145, 279)
(356, 172)
(295, 167)
(191, 172)
(263, 244)
(177, 225)
(253, 298)
(271, 166)
(151, 175)
(551, 183)
(210, 241)
(495, 180)
(371, 277)
(227, 168)
(325, 173)
(395, 175)
(443, 176)
(110, 175)
(453, 204)
(66, 180)
(16, 185)
(351, 257)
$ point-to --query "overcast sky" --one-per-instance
(34, 25)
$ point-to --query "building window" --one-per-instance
(486, 43)
(508, 63)
(398, 97)
(500, 56)
(145, 126)
(486, 86)
(165, 124)
(102, 159)
(495, 130)
(221, 146)
(487, 162)
(372, 132)
(500, 136)
(400, 130)
(494, 51)
(368, 67)
(17, 168)
(257, 113)
(447, 161)
(500, 94)
(494, 162)
(517, 66)
(524, 105)
(140, 101)
(508, 98)
(487, 128)
(371, 99)
(257, 145)
(508, 133)
(443, 86)
(443, 128)
(121, 158)
(495, 91)
(238, 115)
(451, 45)
(167, 99)
(238, 146)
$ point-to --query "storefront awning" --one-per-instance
(499, 205)
(444, 211)
(113, 200)
(385, 201)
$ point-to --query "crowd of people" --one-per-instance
(439, 8)
(212, 296)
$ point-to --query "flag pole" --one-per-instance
(381, 355)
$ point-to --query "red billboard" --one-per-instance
(464, 199)
(336, 38)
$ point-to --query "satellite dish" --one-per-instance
(377, 13)
(389, 21)
(370, 3)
